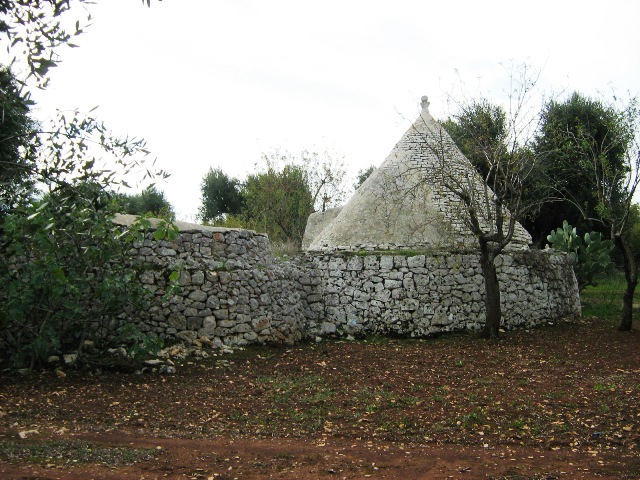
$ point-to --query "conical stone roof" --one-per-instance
(404, 203)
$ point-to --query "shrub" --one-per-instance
(66, 275)
(590, 255)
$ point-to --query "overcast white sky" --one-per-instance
(213, 83)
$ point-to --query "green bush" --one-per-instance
(590, 256)
(66, 276)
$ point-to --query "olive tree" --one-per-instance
(489, 203)
(606, 163)
(279, 201)
(64, 270)
(149, 201)
(221, 195)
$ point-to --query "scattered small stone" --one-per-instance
(154, 362)
(119, 351)
(70, 358)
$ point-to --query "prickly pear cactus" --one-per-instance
(590, 256)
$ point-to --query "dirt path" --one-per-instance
(559, 402)
(300, 459)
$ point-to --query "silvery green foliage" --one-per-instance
(590, 255)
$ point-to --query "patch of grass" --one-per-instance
(605, 299)
(472, 419)
(74, 452)
(284, 250)
(518, 423)
(601, 387)
(307, 389)
(409, 400)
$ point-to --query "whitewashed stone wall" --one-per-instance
(234, 292)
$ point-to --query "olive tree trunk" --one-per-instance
(492, 292)
(631, 276)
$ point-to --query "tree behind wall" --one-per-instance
(605, 160)
(150, 201)
(362, 175)
(55, 255)
(564, 125)
(221, 195)
(279, 203)
(492, 202)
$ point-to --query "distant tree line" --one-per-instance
(278, 197)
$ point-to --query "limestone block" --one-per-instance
(361, 296)
(417, 261)
(386, 262)
(382, 296)
(197, 278)
(221, 314)
(314, 298)
(185, 278)
(355, 264)
(194, 323)
(260, 324)
(147, 278)
(243, 328)
(197, 295)
(394, 275)
(253, 304)
(208, 327)
(399, 261)
(265, 299)
(371, 263)
(327, 328)
(391, 284)
(332, 300)
(408, 283)
(213, 302)
(177, 320)
(190, 312)
(250, 337)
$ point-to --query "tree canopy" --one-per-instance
(279, 201)
(565, 127)
(16, 127)
(596, 168)
(149, 201)
(221, 195)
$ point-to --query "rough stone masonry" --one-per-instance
(234, 292)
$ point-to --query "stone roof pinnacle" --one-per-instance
(425, 115)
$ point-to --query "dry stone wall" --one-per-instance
(233, 291)
(419, 295)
